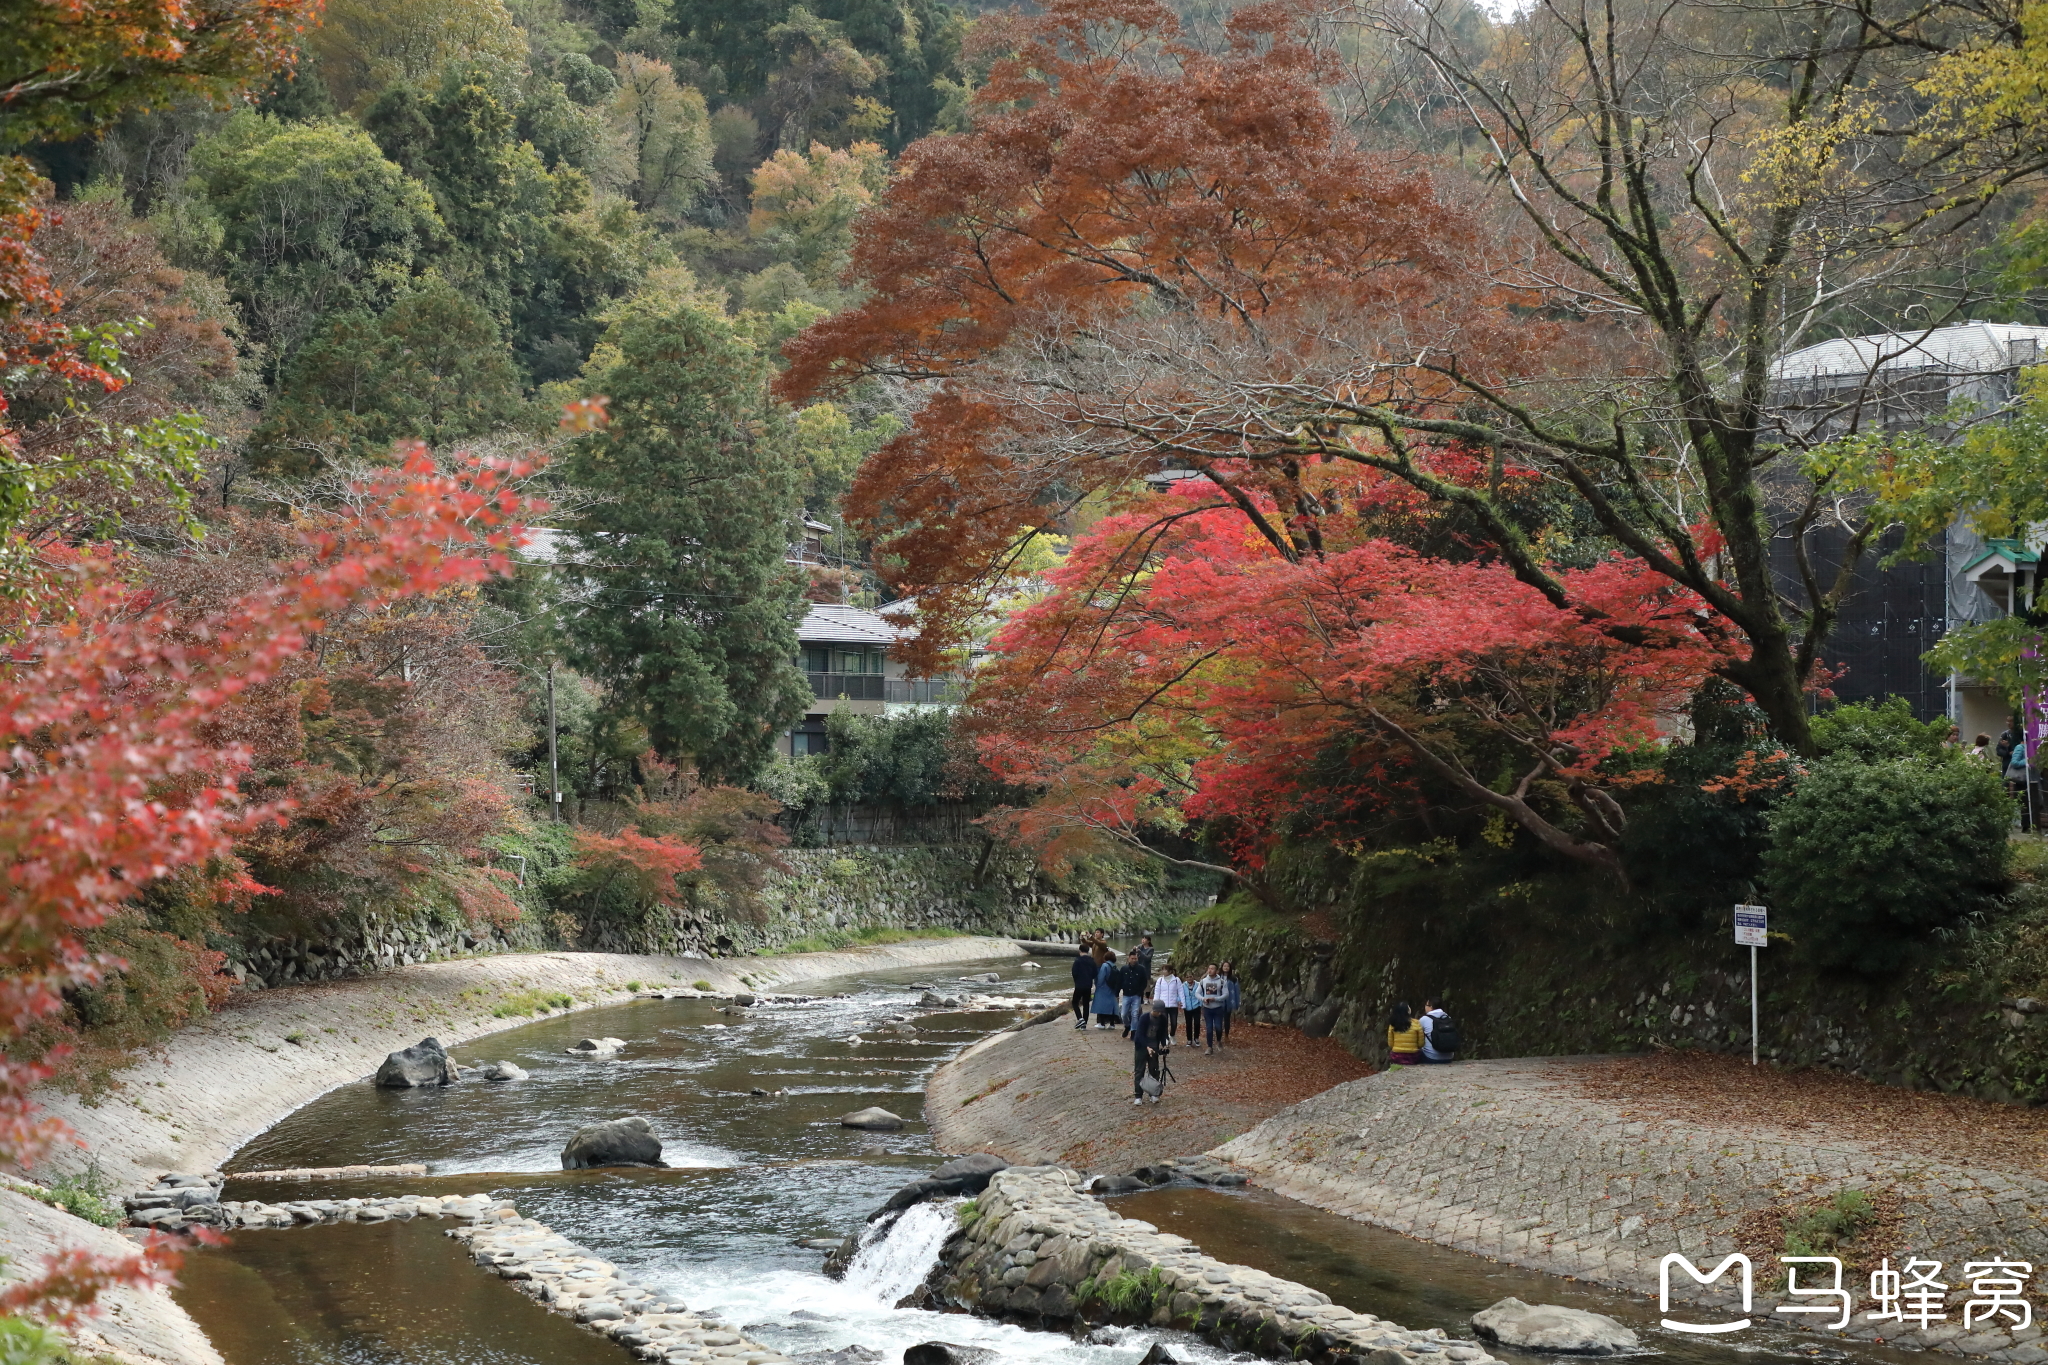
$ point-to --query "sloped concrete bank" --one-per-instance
(217, 1084)
(1522, 1165)
(1035, 1249)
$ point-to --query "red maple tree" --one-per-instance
(113, 778)
(1181, 669)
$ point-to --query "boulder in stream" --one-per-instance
(621, 1142)
(873, 1118)
(946, 1353)
(424, 1063)
(1546, 1327)
(500, 1071)
(962, 1175)
(596, 1047)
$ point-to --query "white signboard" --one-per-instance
(1751, 922)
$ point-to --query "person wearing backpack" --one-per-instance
(1440, 1036)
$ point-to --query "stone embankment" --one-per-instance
(187, 1106)
(822, 893)
(1035, 1249)
(1519, 1161)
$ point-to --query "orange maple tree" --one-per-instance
(1122, 194)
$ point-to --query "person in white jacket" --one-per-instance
(1167, 991)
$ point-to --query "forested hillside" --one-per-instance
(1344, 438)
(442, 222)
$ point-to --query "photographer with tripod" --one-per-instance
(1150, 1039)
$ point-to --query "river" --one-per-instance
(752, 1176)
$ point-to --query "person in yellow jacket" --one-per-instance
(1404, 1037)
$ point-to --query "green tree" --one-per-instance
(365, 46)
(492, 191)
(303, 220)
(911, 46)
(661, 138)
(432, 367)
(691, 615)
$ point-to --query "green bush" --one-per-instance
(1867, 859)
(1883, 730)
(88, 1195)
(1821, 1231)
(24, 1343)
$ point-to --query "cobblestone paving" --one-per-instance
(1055, 1095)
(1509, 1160)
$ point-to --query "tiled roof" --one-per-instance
(833, 625)
(1965, 348)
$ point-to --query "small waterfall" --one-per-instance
(892, 1264)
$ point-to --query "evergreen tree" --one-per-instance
(692, 611)
(433, 366)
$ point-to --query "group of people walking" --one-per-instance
(1152, 1011)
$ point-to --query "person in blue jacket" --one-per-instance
(1104, 1008)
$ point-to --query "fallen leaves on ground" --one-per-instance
(1820, 1106)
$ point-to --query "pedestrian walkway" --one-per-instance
(1056, 1095)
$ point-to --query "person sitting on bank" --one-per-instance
(1440, 1037)
(1404, 1037)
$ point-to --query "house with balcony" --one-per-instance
(1927, 381)
(846, 653)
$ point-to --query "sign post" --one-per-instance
(1752, 927)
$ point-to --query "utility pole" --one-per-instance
(554, 764)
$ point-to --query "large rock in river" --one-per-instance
(873, 1118)
(1546, 1327)
(962, 1175)
(424, 1063)
(621, 1142)
(947, 1353)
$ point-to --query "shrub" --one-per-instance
(1883, 730)
(88, 1195)
(1821, 1231)
(1867, 859)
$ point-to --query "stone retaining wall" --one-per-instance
(827, 894)
(1035, 1248)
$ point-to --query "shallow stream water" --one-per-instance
(752, 1176)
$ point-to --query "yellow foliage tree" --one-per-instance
(366, 46)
